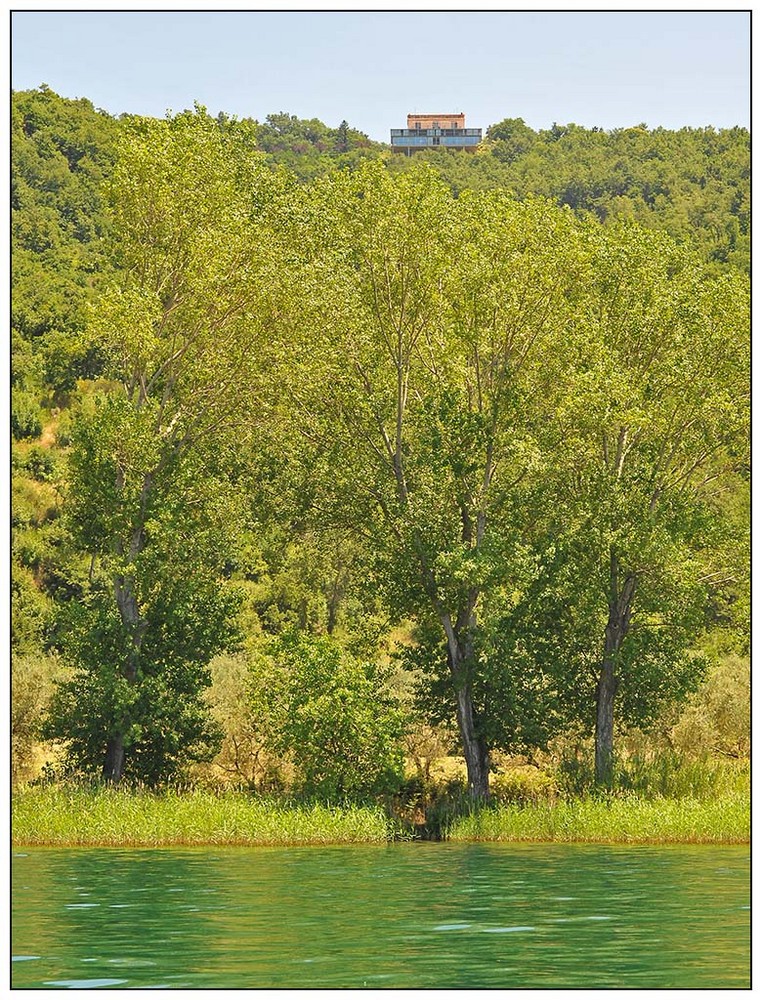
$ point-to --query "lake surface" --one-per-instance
(401, 916)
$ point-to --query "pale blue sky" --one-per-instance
(372, 68)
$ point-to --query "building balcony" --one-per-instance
(425, 132)
(409, 140)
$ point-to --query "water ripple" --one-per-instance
(505, 930)
(84, 984)
(314, 918)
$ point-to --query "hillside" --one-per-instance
(690, 185)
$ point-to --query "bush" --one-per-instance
(30, 547)
(424, 745)
(25, 416)
(32, 503)
(335, 719)
(244, 757)
(31, 612)
(33, 678)
(40, 464)
(717, 718)
(64, 430)
(524, 785)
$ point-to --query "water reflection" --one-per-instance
(405, 916)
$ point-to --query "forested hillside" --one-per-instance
(691, 183)
(326, 460)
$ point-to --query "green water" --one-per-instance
(402, 916)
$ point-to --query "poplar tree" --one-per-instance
(440, 323)
(184, 328)
(648, 442)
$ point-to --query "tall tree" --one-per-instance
(440, 322)
(648, 443)
(184, 327)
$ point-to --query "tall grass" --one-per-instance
(675, 776)
(663, 774)
(692, 805)
(101, 816)
(627, 820)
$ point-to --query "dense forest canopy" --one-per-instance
(320, 446)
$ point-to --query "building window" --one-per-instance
(436, 140)
(418, 126)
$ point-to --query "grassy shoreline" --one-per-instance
(105, 817)
(615, 821)
(61, 816)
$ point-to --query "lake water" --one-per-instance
(403, 916)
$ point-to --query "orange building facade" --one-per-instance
(436, 121)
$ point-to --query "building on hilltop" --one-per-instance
(432, 131)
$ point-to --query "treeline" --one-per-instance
(691, 183)
(399, 471)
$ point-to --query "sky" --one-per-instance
(610, 69)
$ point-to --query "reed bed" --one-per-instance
(65, 815)
(108, 817)
(628, 820)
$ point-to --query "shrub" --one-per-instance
(32, 503)
(425, 744)
(33, 678)
(523, 785)
(31, 612)
(25, 416)
(336, 719)
(244, 757)
(40, 464)
(717, 718)
(64, 429)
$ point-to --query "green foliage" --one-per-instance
(525, 785)
(165, 723)
(553, 636)
(61, 152)
(335, 718)
(31, 612)
(40, 464)
(510, 139)
(146, 495)
(26, 419)
(518, 708)
(692, 183)
(237, 699)
(33, 677)
(452, 409)
(309, 148)
(675, 776)
(186, 615)
(717, 718)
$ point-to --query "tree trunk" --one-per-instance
(113, 765)
(127, 603)
(604, 724)
(620, 610)
(474, 748)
